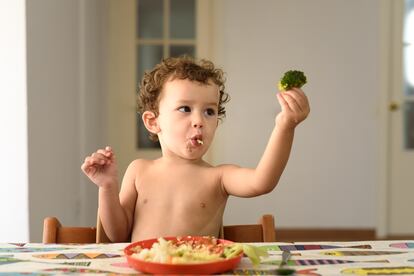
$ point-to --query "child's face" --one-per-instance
(187, 118)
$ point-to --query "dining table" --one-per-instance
(379, 257)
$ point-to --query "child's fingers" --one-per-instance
(282, 102)
(89, 170)
(99, 158)
(299, 91)
(96, 159)
(303, 99)
(105, 152)
(87, 167)
(299, 97)
(84, 167)
(89, 161)
(291, 102)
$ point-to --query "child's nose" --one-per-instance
(197, 124)
(197, 121)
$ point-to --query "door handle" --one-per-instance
(393, 106)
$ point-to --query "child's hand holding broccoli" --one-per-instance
(294, 103)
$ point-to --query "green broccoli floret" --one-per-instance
(292, 79)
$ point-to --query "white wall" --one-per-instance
(331, 178)
(65, 100)
(14, 213)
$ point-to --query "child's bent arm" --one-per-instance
(116, 209)
(245, 182)
(252, 182)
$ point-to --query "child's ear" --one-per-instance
(150, 121)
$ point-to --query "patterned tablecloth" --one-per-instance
(310, 258)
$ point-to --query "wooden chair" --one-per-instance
(264, 231)
(54, 232)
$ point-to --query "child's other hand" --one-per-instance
(295, 107)
(101, 168)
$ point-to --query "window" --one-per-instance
(165, 28)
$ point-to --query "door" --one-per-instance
(401, 116)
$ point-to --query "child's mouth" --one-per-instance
(196, 141)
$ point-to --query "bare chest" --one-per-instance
(180, 191)
(176, 202)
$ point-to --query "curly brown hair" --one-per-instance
(183, 67)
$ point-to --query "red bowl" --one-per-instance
(163, 268)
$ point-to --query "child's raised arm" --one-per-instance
(116, 213)
(263, 179)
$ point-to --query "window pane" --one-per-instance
(182, 19)
(409, 70)
(176, 51)
(409, 125)
(409, 22)
(148, 57)
(150, 18)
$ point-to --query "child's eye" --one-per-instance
(185, 109)
(210, 112)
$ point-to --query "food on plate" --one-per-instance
(292, 78)
(200, 250)
(254, 253)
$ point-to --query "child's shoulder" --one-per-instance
(226, 166)
(140, 164)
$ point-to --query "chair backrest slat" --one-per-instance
(264, 231)
(76, 235)
(54, 232)
(268, 224)
(243, 233)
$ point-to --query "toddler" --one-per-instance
(181, 102)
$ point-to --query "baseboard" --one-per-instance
(324, 234)
(400, 237)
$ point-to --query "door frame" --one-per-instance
(390, 52)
